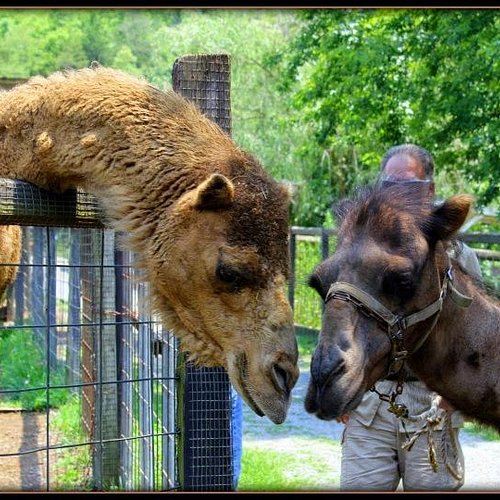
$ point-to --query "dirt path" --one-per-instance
(21, 432)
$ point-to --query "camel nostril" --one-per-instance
(281, 378)
(335, 372)
(338, 370)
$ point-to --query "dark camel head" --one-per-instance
(386, 247)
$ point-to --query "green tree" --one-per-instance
(370, 78)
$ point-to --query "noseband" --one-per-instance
(396, 325)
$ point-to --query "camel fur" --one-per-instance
(10, 253)
(208, 224)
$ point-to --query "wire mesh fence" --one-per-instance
(95, 353)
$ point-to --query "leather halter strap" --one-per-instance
(371, 307)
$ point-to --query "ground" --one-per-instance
(21, 431)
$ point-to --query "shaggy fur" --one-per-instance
(10, 253)
(189, 202)
(392, 246)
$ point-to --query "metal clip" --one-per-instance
(399, 409)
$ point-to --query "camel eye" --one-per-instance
(230, 276)
(398, 283)
(226, 274)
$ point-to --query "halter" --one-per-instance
(396, 324)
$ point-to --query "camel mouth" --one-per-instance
(245, 394)
(238, 378)
(329, 401)
(274, 406)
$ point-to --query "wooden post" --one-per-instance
(99, 400)
(204, 404)
(107, 453)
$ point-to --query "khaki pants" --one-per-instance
(372, 458)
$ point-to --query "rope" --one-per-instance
(448, 444)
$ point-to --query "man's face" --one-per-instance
(404, 168)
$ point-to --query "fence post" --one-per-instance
(51, 296)
(205, 397)
(107, 423)
(99, 400)
(292, 279)
(74, 311)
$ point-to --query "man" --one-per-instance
(377, 453)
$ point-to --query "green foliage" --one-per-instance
(317, 95)
(371, 78)
(147, 43)
(23, 369)
(73, 464)
(482, 431)
(307, 303)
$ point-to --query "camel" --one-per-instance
(10, 253)
(208, 224)
(393, 295)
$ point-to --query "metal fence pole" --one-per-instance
(145, 416)
(107, 454)
(38, 284)
(292, 279)
(51, 296)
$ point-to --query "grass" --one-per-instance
(73, 465)
(481, 430)
(23, 370)
(303, 468)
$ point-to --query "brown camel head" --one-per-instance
(218, 266)
(387, 247)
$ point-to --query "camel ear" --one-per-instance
(447, 218)
(289, 190)
(215, 192)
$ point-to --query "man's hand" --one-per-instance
(443, 404)
(343, 419)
